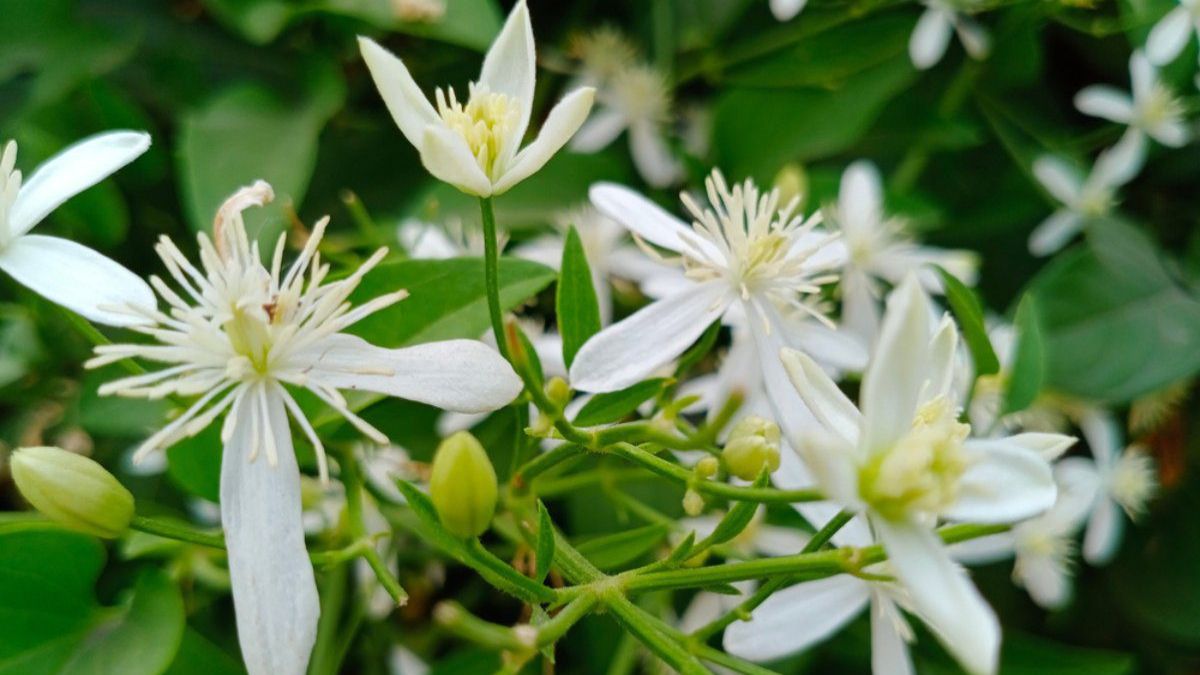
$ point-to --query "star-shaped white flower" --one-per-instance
(906, 461)
(235, 334)
(636, 99)
(474, 144)
(878, 250)
(62, 271)
(1172, 32)
(928, 42)
(1124, 480)
(1151, 108)
(745, 256)
(1082, 198)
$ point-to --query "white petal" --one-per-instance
(704, 608)
(1105, 102)
(860, 199)
(835, 348)
(774, 540)
(901, 260)
(797, 617)
(930, 38)
(984, 550)
(561, 124)
(652, 156)
(630, 350)
(1054, 232)
(1049, 446)
(974, 38)
(1003, 483)
(1169, 36)
(889, 651)
(647, 219)
(546, 250)
(943, 359)
(510, 68)
(446, 155)
(860, 308)
(72, 171)
(77, 278)
(1103, 537)
(822, 395)
(601, 128)
(1059, 178)
(458, 375)
(785, 10)
(1046, 579)
(899, 368)
(1118, 165)
(274, 592)
(1078, 489)
(1142, 75)
(409, 107)
(942, 595)
(1172, 133)
(427, 241)
(1103, 435)
(793, 474)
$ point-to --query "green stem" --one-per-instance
(735, 492)
(541, 463)
(172, 530)
(554, 629)
(353, 481)
(491, 272)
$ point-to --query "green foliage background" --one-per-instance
(234, 90)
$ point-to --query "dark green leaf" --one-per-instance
(969, 313)
(143, 640)
(612, 406)
(612, 551)
(738, 517)
(545, 543)
(1029, 360)
(576, 305)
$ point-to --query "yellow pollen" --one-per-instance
(1132, 482)
(488, 123)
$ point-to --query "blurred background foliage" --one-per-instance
(234, 90)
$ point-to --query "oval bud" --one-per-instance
(73, 490)
(558, 391)
(753, 444)
(462, 484)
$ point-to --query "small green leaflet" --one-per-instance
(1029, 359)
(545, 543)
(610, 407)
(969, 312)
(576, 306)
(616, 550)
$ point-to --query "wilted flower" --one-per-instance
(473, 144)
(236, 335)
(67, 273)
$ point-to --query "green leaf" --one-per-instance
(545, 543)
(446, 298)
(1117, 323)
(577, 309)
(248, 132)
(697, 351)
(738, 517)
(198, 656)
(612, 551)
(1029, 359)
(969, 312)
(141, 641)
(20, 348)
(612, 406)
(194, 464)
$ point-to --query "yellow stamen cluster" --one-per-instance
(488, 122)
(1133, 481)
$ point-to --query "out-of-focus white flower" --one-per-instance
(62, 271)
(1082, 198)
(428, 11)
(905, 460)
(744, 254)
(475, 145)
(637, 99)
(242, 333)
(1046, 414)
(878, 250)
(928, 42)
(1125, 480)
(602, 53)
(786, 10)
(1044, 546)
(1151, 108)
(455, 239)
(1172, 32)
(401, 661)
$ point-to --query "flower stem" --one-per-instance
(491, 272)
(352, 479)
(177, 531)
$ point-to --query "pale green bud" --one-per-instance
(73, 490)
(462, 484)
(753, 444)
(558, 391)
(707, 467)
(693, 503)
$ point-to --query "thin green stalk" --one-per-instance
(352, 480)
(491, 272)
(457, 620)
(542, 462)
(735, 492)
(172, 530)
(558, 625)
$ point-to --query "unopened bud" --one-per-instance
(792, 183)
(73, 490)
(693, 503)
(462, 484)
(558, 391)
(753, 444)
(707, 467)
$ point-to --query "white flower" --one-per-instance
(1124, 479)
(64, 272)
(906, 461)
(931, 36)
(473, 145)
(878, 250)
(236, 333)
(1043, 547)
(1045, 414)
(1152, 108)
(1082, 198)
(744, 256)
(423, 240)
(637, 99)
(786, 10)
(1171, 34)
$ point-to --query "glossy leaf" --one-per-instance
(577, 309)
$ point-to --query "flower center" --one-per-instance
(1132, 481)
(1095, 201)
(250, 337)
(1159, 106)
(487, 123)
(642, 94)
(920, 473)
(10, 185)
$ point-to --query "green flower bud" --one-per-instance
(462, 485)
(707, 467)
(73, 490)
(753, 444)
(558, 391)
(693, 503)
